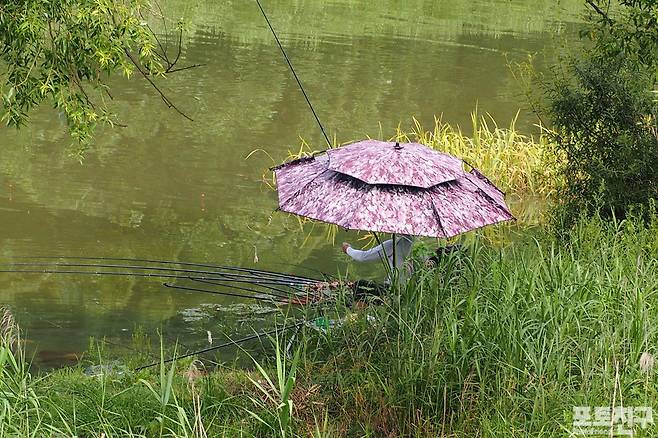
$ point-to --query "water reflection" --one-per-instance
(166, 188)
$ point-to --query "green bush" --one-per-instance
(604, 120)
(601, 104)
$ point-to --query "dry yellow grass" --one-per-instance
(522, 166)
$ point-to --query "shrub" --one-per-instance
(604, 121)
(601, 103)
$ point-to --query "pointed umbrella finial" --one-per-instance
(397, 146)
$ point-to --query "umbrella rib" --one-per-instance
(438, 217)
(486, 179)
(490, 198)
(496, 203)
(295, 161)
(281, 204)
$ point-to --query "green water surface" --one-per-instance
(167, 188)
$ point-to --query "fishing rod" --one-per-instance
(211, 275)
(292, 69)
(217, 278)
(209, 280)
(259, 294)
(118, 274)
(217, 347)
(284, 294)
(167, 262)
(216, 292)
(280, 293)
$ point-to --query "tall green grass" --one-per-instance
(496, 341)
(505, 341)
(521, 165)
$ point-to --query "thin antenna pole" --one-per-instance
(301, 87)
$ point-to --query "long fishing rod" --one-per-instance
(217, 347)
(215, 281)
(216, 292)
(115, 273)
(281, 293)
(292, 69)
(296, 299)
(123, 274)
(167, 262)
(215, 274)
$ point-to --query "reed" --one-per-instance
(521, 165)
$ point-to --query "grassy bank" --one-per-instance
(501, 339)
(497, 341)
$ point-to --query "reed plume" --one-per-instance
(9, 330)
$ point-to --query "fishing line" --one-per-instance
(210, 275)
(217, 347)
(249, 274)
(283, 295)
(301, 87)
(260, 272)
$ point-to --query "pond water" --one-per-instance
(166, 188)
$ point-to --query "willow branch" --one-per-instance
(165, 99)
(185, 68)
(180, 45)
(599, 11)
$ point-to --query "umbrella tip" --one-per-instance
(397, 146)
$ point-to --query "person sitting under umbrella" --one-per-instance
(406, 189)
(403, 246)
(394, 255)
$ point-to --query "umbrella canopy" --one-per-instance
(404, 188)
(406, 164)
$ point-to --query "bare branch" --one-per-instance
(180, 47)
(185, 68)
(162, 56)
(164, 24)
(599, 11)
(165, 99)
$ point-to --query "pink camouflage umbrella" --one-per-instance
(403, 188)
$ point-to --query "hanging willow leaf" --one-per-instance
(63, 52)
